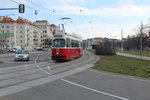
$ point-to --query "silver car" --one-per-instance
(22, 55)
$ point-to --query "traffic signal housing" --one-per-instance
(21, 8)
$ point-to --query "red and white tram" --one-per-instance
(66, 47)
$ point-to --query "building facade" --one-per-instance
(24, 33)
(8, 28)
(46, 32)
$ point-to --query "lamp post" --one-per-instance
(121, 39)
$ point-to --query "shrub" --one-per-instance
(101, 50)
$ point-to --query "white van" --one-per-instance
(16, 48)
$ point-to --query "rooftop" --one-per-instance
(8, 20)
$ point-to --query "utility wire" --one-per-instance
(36, 11)
(41, 6)
(81, 11)
(53, 11)
(71, 4)
(19, 3)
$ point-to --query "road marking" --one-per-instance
(47, 72)
(41, 69)
(48, 67)
(100, 92)
(37, 66)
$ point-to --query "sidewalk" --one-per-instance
(133, 56)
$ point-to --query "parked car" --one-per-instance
(147, 49)
(22, 55)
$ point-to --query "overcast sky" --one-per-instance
(89, 18)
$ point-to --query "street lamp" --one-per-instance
(121, 39)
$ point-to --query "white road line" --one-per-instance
(47, 72)
(37, 66)
(41, 69)
(48, 67)
(108, 94)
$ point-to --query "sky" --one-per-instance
(88, 18)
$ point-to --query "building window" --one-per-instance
(7, 26)
(21, 27)
(20, 31)
(21, 36)
(2, 26)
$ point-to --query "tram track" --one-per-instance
(30, 73)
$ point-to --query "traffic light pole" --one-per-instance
(21, 8)
(9, 8)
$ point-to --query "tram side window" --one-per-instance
(67, 42)
(74, 43)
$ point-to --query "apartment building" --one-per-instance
(8, 28)
(24, 33)
(46, 32)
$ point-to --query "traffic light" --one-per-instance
(36, 12)
(21, 8)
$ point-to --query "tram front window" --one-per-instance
(58, 43)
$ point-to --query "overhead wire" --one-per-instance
(40, 6)
(81, 11)
(36, 10)
(54, 12)
(20, 3)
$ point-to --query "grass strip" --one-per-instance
(124, 65)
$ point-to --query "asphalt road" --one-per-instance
(71, 80)
(87, 85)
(39, 56)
